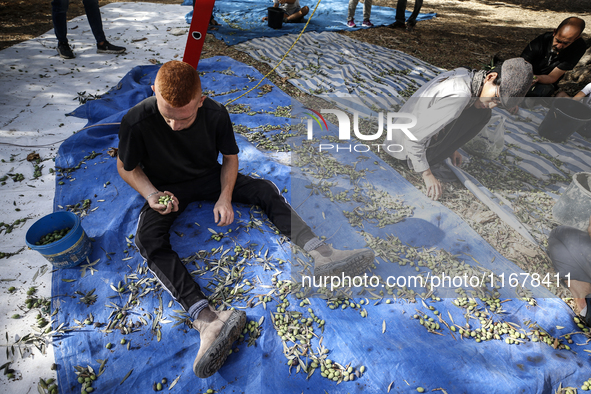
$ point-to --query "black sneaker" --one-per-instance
(397, 25)
(107, 47)
(64, 50)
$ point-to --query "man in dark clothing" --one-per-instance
(554, 53)
(171, 142)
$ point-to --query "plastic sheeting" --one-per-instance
(397, 352)
(242, 21)
(382, 78)
(331, 65)
(396, 75)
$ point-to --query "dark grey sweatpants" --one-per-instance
(570, 251)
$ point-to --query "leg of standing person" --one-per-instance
(400, 14)
(59, 11)
(351, 13)
(93, 13)
(466, 127)
(367, 13)
(412, 21)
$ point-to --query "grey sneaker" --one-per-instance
(218, 331)
(330, 261)
(64, 50)
(107, 47)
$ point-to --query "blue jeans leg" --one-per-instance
(93, 13)
(59, 9)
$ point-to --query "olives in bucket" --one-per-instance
(55, 235)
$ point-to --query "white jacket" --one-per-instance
(436, 104)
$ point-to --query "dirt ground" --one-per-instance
(464, 33)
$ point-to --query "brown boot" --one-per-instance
(218, 331)
(330, 261)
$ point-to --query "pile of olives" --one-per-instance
(53, 236)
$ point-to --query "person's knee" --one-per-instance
(305, 10)
(151, 237)
(565, 248)
(555, 241)
(152, 245)
(265, 191)
(140, 238)
(559, 235)
(541, 90)
(267, 188)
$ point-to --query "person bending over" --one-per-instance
(169, 145)
(451, 109)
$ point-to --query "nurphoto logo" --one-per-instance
(315, 116)
(344, 123)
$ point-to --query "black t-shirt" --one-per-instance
(538, 54)
(167, 156)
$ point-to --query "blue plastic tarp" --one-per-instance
(396, 351)
(242, 21)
